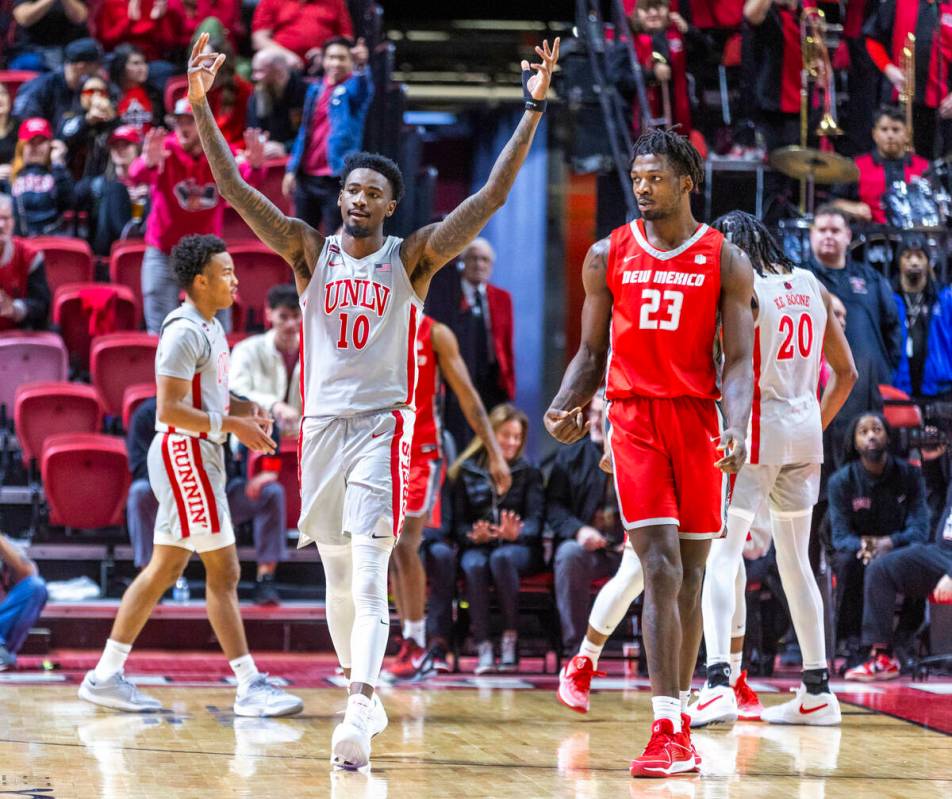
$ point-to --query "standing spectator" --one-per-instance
(500, 537)
(41, 185)
(227, 12)
(266, 368)
(185, 200)
(230, 93)
(915, 572)
(925, 317)
(44, 28)
(8, 134)
(155, 27)
(297, 27)
(582, 510)
(111, 199)
(480, 314)
(332, 128)
(86, 131)
(56, 93)
(277, 104)
(259, 500)
(24, 292)
(877, 505)
(23, 602)
(138, 102)
(873, 333)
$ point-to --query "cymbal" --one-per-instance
(805, 162)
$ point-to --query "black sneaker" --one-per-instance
(438, 661)
(265, 592)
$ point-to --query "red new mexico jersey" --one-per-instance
(664, 315)
(426, 431)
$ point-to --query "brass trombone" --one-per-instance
(907, 64)
(818, 68)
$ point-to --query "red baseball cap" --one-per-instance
(33, 127)
(182, 108)
(128, 134)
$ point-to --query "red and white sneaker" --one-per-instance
(878, 667)
(749, 707)
(575, 683)
(714, 705)
(818, 710)
(686, 733)
(667, 753)
(408, 666)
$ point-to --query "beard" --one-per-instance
(357, 231)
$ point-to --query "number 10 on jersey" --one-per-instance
(355, 334)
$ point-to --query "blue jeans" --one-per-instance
(19, 610)
(503, 565)
(439, 560)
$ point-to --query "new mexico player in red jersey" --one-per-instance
(658, 292)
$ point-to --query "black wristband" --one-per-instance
(531, 103)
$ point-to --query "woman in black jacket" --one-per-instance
(500, 537)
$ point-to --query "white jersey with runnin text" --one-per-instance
(785, 425)
(358, 335)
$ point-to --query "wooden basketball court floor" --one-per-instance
(454, 737)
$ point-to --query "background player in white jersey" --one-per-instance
(362, 296)
(793, 326)
(195, 414)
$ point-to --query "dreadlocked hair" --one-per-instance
(751, 235)
(676, 148)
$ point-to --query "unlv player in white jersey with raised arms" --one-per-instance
(794, 325)
(362, 296)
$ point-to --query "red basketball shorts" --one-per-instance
(426, 478)
(664, 454)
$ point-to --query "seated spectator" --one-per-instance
(111, 199)
(278, 100)
(332, 128)
(184, 200)
(259, 500)
(915, 572)
(925, 316)
(229, 95)
(500, 537)
(56, 93)
(582, 510)
(877, 507)
(155, 27)
(86, 130)
(265, 368)
(138, 102)
(888, 163)
(40, 183)
(8, 135)
(23, 601)
(44, 28)
(298, 27)
(24, 292)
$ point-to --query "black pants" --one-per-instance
(315, 201)
(850, 580)
(575, 570)
(912, 571)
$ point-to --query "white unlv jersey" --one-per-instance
(785, 423)
(358, 336)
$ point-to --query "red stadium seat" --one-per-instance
(27, 357)
(899, 409)
(13, 79)
(118, 360)
(68, 260)
(132, 398)
(85, 479)
(175, 88)
(84, 310)
(274, 169)
(288, 475)
(234, 228)
(125, 266)
(46, 409)
(258, 268)
(236, 336)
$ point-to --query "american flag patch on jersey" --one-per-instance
(382, 267)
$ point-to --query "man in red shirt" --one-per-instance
(24, 293)
(298, 27)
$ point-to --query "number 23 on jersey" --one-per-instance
(660, 310)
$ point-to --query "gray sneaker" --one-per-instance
(118, 693)
(509, 652)
(7, 659)
(261, 698)
(487, 661)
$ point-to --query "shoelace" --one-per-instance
(582, 678)
(657, 745)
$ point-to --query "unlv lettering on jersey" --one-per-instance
(356, 293)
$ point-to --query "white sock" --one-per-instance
(245, 670)
(736, 659)
(591, 651)
(667, 707)
(617, 594)
(368, 640)
(792, 539)
(416, 630)
(684, 696)
(718, 595)
(112, 660)
(339, 598)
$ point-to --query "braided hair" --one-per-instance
(684, 159)
(751, 235)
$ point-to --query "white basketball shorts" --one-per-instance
(789, 488)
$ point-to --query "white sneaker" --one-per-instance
(350, 744)
(717, 705)
(261, 698)
(821, 710)
(378, 717)
(118, 693)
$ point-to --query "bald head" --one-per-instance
(478, 260)
(269, 68)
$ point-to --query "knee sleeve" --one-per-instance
(371, 626)
(339, 599)
(617, 594)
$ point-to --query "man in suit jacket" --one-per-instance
(480, 314)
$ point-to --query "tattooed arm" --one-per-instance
(298, 243)
(428, 249)
(564, 420)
